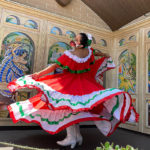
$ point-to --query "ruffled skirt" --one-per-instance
(65, 99)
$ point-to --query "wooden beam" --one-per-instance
(117, 13)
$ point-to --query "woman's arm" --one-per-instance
(45, 71)
(99, 53)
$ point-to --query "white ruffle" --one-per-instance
(49, 116)
(53, 121)
(55, 97)
(76, 58)
(104, 66)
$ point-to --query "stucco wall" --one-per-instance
(76, 10)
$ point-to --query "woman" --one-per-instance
(73, 96)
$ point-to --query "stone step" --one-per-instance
(6, 148)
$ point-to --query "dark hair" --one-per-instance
(84, 40)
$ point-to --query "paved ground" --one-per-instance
(92, 138)
(6, 148)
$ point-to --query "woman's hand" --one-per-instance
(44, 72)
(35, 76)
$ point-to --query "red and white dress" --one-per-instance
(73, 96)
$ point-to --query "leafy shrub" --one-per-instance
(108, 146)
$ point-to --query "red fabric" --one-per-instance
(73, 84)
(95, 67)
(61, 128)
(36, 100)
(97, 109)
(67, 107)
(73, 65)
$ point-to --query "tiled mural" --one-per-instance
(16, 60)
(127, 72)
(56, 50)
(26, 23)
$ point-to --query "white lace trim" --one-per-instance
(50, 115)
(104, 66)
(76, 58)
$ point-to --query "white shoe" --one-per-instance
(70, 139)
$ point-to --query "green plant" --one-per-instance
(108, 146)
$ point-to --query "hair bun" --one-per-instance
(84, 40)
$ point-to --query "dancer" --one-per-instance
(73, 96)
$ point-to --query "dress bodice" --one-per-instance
(75, 64)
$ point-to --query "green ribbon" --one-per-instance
(70, 70)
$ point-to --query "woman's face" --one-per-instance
(78, 39)
(77, 44)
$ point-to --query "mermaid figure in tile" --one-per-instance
(11, 68)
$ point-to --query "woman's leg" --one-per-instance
(71, 137)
